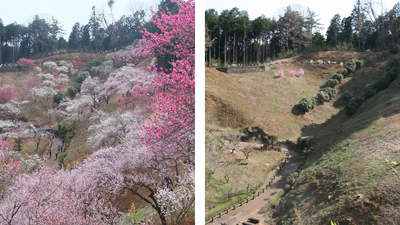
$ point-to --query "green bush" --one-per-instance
(58, 97)
(380, 85)
(391, 74)
(82, 76)
(367, 59)
(331, 92)
(306, 104)
(369, 93)
(358, 100)
(332, 82)
(292, 178)
(395, 48)
(93, 63)
(359, 64)
(347, 95)
(350, 67)
(351, 108)
(274, 200)
(74, 89)
(323, 96)
(342, 71)
(393, 63)
(72, 92)
(339, 77)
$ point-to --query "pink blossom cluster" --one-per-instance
(292, 73)
(34, 82)
(79, 64)
(281, 73)
(26, 62)
(300, 72)
(368, 51)
(7, 94)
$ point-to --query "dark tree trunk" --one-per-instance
(225, 51)
(244, 47)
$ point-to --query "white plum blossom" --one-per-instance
(48, 83)
(30, 162)
(113, 128)
(62, 69)
(37, 69)
(78, 105)
(9, 110)
(44, 92)
(5, 125)
(62, 79)
(46, 76)
(50, 65)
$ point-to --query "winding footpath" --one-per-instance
(258, 207)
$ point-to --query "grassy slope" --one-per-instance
(267, 100)
(345, 178)
(345, 174)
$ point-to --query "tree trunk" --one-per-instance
(209, 53)
(234, 43)
(225, 51)
(258, 50)
(244, 47)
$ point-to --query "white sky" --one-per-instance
(67, 12)
(272, 9)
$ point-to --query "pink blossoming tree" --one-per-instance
(7, 94)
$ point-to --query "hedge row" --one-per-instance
(371, 89)
(327, 94)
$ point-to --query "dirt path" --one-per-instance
(258, 207)
(52, 162)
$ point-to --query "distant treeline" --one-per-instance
(42, 37)
(231, 37)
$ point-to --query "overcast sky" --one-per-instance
(67, 12)
(273, 8)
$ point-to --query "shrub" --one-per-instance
(351, 108)
(7, 94)
(323, 96)
(331, 92)
(380, 85)
(26, 62)
(58, 97)
(367, 59)
(347, 95)
(359, 64)
(292, 177)
(350, 67)
(306, 104)
(342, 71)
(358, 100)
(391, 74)
(369, 93)
(395, 48)
(274, 200)
(82, 76)
(393, 63)
(72, 91)
(77, 87)
(332, 82)
(339, 77)
(93, 63)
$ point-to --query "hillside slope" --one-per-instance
(267, 100)
(345, 178)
